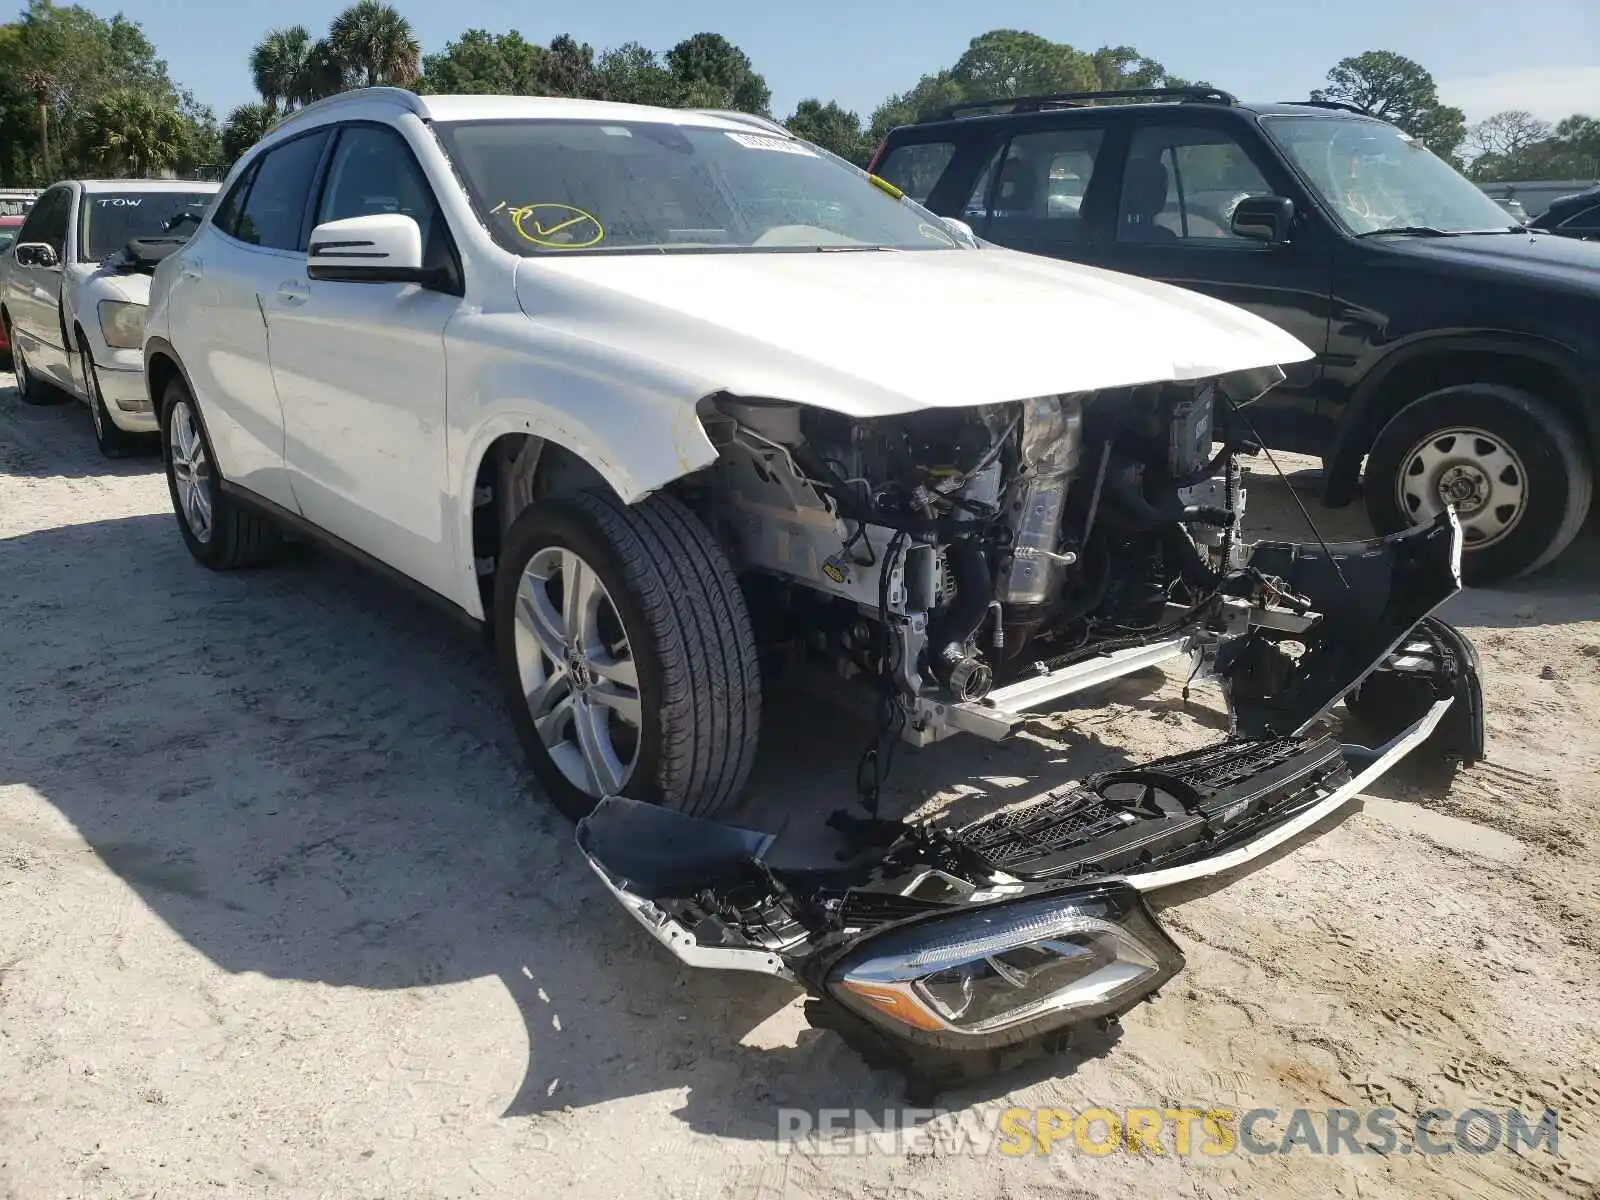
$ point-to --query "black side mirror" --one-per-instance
(1264, 219)
(36, 254)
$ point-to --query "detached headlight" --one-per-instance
(1007, 971)
(122, 324)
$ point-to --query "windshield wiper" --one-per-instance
(1411, 230)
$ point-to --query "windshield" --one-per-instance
(554, 187)
(1374, 177)
(112, 219)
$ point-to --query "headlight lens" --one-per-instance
(122, 324)
(1011, 968)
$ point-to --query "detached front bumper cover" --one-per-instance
(958, 952)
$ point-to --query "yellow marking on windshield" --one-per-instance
(540, 223)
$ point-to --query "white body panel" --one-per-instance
(608, 355)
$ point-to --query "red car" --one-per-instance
(8, 234)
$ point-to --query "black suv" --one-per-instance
(1575, 216)
(1457, 354)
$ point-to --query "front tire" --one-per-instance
(1511, 462)
(114, 442)
(221, 533)
(626, 654)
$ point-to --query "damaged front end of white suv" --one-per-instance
(971, 564)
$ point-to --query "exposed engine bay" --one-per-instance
(975, 563)
(972, 564)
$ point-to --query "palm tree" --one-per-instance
(375, 43)
(281, 67)
(325, 72)
(245, 126)
(132, 133)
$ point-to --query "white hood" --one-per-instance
(871, 333)
(105, 284)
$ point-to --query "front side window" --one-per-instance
(371, 171)
(47, 222)
(1375, 179)
(275, 206)
(1182, 183)
(554, 187)
(1041, 185)
(112, 219)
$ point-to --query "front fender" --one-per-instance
(633, 422)
(1365, 413)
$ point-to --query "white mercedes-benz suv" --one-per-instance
(645, 391)
(661, 398)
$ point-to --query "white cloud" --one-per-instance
(1549, 94)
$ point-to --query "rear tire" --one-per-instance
(661, 634)
(221, 533)
(30, 388)
(1512, 462)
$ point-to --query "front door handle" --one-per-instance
(293, 291)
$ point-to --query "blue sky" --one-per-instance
(1486, 57)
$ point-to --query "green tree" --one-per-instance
(202, 156)
(281, 67)
(931, 92)
(714, 73)
(568, 68)
(833, 128)
(483, 63)
(634, 74)
(1009, 62)
(1393, 88)
(375, 43)
(327, 71)
(132, 133)
(55, 62)
(245, 126)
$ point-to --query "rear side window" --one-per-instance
(915, 168)
(1042, 181)
(275, 206)
(227, 215)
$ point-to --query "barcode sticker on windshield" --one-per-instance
(755, 141)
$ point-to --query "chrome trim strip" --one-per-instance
(1383, 758)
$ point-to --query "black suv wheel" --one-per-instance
(1511, 463)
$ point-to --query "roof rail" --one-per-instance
(744, 118)
(1196, 95)
(403, 96)
(1342, 105)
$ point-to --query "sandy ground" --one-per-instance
(281, 914)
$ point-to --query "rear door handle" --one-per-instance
(293, 291)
